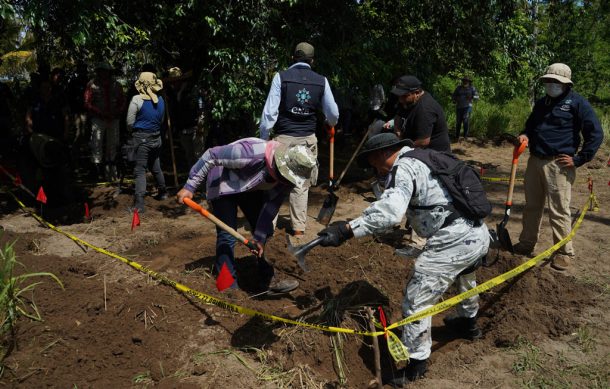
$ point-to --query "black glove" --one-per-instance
(335, 235)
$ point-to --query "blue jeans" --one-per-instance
(225, 208)
(462, 116)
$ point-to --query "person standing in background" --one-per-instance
(553, 131)
(104, 101)
(419, 117)
(463, 96)
(144, 120)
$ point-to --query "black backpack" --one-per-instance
(461, 181)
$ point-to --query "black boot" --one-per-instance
(138, 203)
(414, 370)
(161, 194)
(466, 327)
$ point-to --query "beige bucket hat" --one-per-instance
(148, 85)
(558, 71)
(295, 163)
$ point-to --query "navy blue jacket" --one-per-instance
(556, 124)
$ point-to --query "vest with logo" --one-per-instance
(302, 91)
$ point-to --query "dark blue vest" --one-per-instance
(150, 117)
(302, 91)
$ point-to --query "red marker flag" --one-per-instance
(383, 320)
(18, 181)
(135, 221)
(87, 215)
(41, 197)
(225, 279)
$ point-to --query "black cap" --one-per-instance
(406, 84)
(379, 142)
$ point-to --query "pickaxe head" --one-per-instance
(299, 252)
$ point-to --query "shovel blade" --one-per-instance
(377, 191)
(298, 253)
(328, 209)
(504, 238)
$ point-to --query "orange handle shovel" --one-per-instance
(204, 212)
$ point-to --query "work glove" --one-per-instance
(335, 235)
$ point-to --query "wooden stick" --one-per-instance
(369, 312)
(332, 155)
(105, 307)
(171, 139)
(364, 138)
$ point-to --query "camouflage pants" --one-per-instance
(447, 253)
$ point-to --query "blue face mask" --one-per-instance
(553, 89)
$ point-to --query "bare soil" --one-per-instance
(112, 326)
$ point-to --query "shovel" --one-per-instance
(300, 252)
(330, 202)
(248, 243)
(503, 235)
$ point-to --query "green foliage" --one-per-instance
(235, 48)
(14, 291)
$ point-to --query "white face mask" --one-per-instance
(554, 90)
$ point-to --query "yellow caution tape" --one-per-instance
(199, 295)
(397, 348)
(494, 281)
(250, 312)
(498, 179)
(593, 205)
(107, 183)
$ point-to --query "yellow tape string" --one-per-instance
(440, 307)
(497, 179)
(199, 295)
(250, 312)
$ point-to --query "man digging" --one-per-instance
(455, 244)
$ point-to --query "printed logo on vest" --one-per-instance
(303, 96)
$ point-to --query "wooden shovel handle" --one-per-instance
(219, 223)
(331, 132)
(349, 163)
(513, 171)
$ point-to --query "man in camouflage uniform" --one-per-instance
(454, 248)
(256, 176)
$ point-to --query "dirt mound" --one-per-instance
(114, 327)
(538, 303)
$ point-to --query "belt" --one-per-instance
(546, 157)
(144, 134)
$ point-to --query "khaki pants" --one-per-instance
(104, 140)
(546, 181)
(298, 196)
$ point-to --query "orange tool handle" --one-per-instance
(518, 150)
(249, 243)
